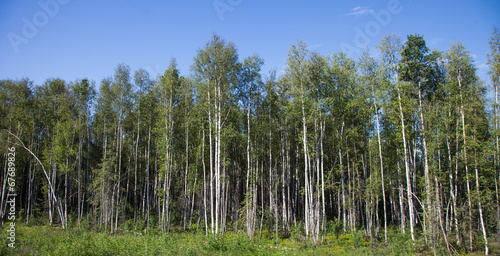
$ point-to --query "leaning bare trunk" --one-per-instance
(481, 219)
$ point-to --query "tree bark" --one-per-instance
(407, 166)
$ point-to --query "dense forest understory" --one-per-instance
(397, 150)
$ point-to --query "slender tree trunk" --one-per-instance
(276, 204)
(350, 189)
(261, 197)
(478, 192)
(66, 191)
(323, 215)
(401, 197)
(147, 206)
(284, 183)
(136, 160)
(30, 182)
(439, 213)
(204, 181)
(104, 200)
(306, 168)
(211, 166)
(217, 158)
(369, 206)
(49, 198)
(426, 165)
(457, 150)
(249, 191)
(381, 160)
(452, 193)
(344, 217)
(316, 201)
(497, 153)
(79, 207)
(497, 201)
(271, 195)
(87, 191)
(186, 170)
(462, 113)
(481, 219)
(254, 195)
(407, 166)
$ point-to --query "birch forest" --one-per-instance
(404, 139)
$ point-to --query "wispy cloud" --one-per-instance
(435, 41)
(316, 46)
(360, 10)
(482, 66)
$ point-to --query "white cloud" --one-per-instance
(435, 41)
(482, 66)
(359, 10)
(316, 46)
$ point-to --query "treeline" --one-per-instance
(406, 140)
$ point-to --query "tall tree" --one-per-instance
(414, 63)
(251, 83)
(85, 95)
(465, 84)
(169, 99)
(371, 76)
(297, 72)
(122, 90)
(390, 46)
(494, 64)
(143, 86)
(103, 176)
(217, 67)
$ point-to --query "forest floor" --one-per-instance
(48, 240)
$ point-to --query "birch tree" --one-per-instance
(494, 64)
(217, 67)
(464, 81)
(390, 47)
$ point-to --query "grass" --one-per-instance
(47, 240)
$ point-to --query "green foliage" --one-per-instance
(335, 227)
(46, 240)
(140, 160)
(400, 244)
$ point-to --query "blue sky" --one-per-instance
(75, 39)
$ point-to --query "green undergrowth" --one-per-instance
(47, 240)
